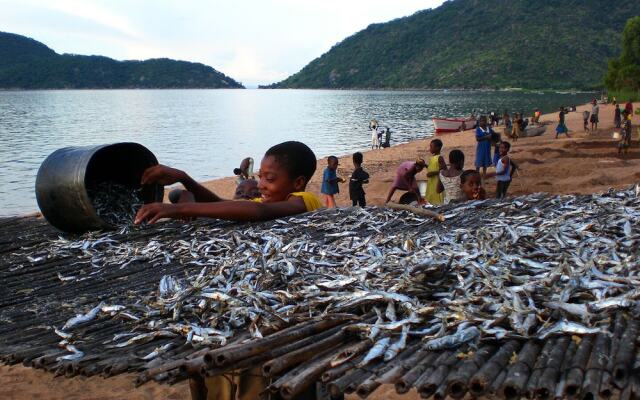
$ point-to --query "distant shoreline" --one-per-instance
(122, 88)
(519, 90)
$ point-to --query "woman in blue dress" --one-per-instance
(483, 148)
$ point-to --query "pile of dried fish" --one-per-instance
(537, 295)
(115, 204)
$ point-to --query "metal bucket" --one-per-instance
(65, 177)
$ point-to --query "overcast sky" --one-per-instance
(253, 41)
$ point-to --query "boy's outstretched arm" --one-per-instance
(229, 210)
(163, 175)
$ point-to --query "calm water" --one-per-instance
(208, 132)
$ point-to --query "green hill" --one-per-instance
(534, 44)
(28, 64)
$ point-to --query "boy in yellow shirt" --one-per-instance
(285, 170)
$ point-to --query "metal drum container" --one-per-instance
(67, 177)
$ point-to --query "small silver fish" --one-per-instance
(390, 313)
(157, 351)
(82, 318)
(578, 310)
(76, 354)
(62, 334)
(565, 326)
(612, 303)
(452, 341)
(395, 348)
(376, 351)
(66, 278)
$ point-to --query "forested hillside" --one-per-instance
(534, 44)
(28, 64)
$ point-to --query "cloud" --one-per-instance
(96, 14)
(253, 41)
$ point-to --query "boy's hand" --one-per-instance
(342, 180)
(153, 212)
(163, 175)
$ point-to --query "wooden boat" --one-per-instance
(448, 125)
(533, 130)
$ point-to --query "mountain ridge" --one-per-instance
(26, 63)
(531, 44)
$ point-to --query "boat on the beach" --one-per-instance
(449, 125)
(533, 130)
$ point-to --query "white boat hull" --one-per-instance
(449, 125)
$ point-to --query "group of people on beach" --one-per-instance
(452, 183)
(286, 169)
(380, 135)
(621, 119)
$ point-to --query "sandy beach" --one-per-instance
(584, 163)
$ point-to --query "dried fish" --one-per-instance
(75, 354)
(532, 267)
(115, 203)
(82, 318)
(454, 340)
(378, 350)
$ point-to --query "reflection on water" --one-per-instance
(208, 132)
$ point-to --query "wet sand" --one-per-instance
(584, 163)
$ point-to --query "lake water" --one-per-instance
(208, 132)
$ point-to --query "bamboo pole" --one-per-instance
(229, 356)
(273, 367)
(340, 370)
(564, 367)
(428, 384)
(457, 381)
(518, 373)
(625, 354)
(393, 374)
(481, 380)
(269, 355)
(404, 384)
(306, 373)
(541, 361)
(575, 375)
(546, 383)
(416, 210)
(595, 367)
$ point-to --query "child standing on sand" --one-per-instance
(285, 171)
(625, 140)
(483, 146)
(436, 164)
(503, 171)
(358, 178)
(471, 186)
(617, 116)
(517, 126)
(450, 178)
(585, 120)
(595, 110)
(561, 128)
(330, 182)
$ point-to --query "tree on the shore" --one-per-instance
(624, 72)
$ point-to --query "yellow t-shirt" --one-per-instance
(311, 201)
